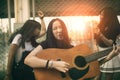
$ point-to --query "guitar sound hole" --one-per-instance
(80, 61)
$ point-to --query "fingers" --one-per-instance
(117, 51)
(66, 67)
(65, 70)
(113, 46)
(61, 66)
(40, 13)
(114, 52)
(67, 64)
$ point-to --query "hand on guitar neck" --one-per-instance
(114, 52)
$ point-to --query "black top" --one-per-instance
(45, 44)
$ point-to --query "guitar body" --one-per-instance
(79, 69)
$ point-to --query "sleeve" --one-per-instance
(44, 44)
(17, 39)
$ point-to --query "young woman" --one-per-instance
(57, 37)
(22, 42)
(106, 34)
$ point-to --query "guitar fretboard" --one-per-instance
(98, 55)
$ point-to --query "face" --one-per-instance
(37, 32)
(57, 30)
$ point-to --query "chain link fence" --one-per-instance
(3, 53)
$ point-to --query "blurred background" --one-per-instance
(80, 17)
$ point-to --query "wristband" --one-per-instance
(47, 64)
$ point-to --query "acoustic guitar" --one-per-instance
(83, 63)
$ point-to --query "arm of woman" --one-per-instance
(35, 62)
(108, 42)
(43, 28)
(113, 53)
(13, 49)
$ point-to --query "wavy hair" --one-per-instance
(110, 17)
(27, 32)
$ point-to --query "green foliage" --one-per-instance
(2, 75)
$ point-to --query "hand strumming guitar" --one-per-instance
(61, 66)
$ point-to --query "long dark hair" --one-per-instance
(27, 32)
(110, 17)
(109, 26)
(65, 43)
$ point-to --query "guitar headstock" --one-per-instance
(118, 40)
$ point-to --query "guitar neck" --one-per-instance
(98, 55)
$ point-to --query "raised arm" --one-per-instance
(43, 28)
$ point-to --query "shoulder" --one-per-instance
(17, 39)
(18, 36)
(44, 44)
